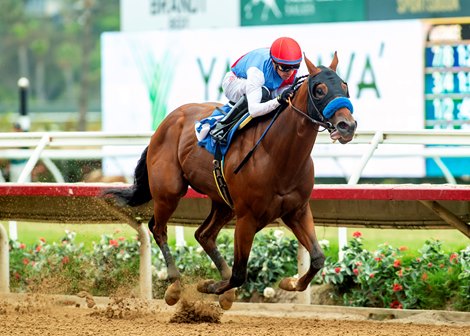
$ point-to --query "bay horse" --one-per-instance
(276, 182)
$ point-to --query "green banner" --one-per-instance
(416, 9)
(274, 12)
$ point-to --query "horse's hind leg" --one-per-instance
(163, 207)
(301, 224)
(207, 234)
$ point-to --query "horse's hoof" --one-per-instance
(173, 293)
(203, 286)
(226, 299)
(288, 284)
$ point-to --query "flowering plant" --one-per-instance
(389, 278)
(386, 277)
(48, 267)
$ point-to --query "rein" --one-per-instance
(325, 124)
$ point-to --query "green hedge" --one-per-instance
(386, 277)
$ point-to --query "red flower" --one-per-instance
(25, 261)
(356, 271)
(357, 234)
(65, 260)
(17, 276)
(453, 258)
(38, 248)
(113, 242)
(42, 239)
(429, 264)
(377, 259)
(397, 263)
(396, 305)
(337, 269)
(403, 248)
(121, 238)
(424, 277)
(358, 263)
(323, 273)
(372, 275)
(397, 287)
(22, 246)
(400, 273)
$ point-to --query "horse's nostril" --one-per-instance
(345, 127)
(342, 125)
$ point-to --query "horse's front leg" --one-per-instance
(245, 230)
(207, 234)
(301, 224)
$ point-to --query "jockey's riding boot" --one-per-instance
(224, 125)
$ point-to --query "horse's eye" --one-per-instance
(319, 91)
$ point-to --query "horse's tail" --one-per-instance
(139, 192)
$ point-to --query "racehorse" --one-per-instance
(276, 182)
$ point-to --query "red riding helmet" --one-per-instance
(286, 51)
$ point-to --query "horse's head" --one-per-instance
(328, 101)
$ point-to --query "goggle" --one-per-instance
(286, 67)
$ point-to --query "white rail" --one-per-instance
(47, 146)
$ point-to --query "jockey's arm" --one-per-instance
(254, 84)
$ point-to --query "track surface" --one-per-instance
(36, 315)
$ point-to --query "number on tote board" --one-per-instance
(443, 56)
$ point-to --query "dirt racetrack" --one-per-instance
(67, 315)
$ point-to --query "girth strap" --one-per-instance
(219, 178)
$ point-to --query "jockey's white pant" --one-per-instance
(233, 86)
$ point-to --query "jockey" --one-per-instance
(257, 77)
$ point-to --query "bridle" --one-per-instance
(312, 114)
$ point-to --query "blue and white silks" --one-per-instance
(204, 126)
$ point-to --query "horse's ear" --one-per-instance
(312, 69)
(334, 62)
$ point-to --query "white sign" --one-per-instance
(148, 15)
(149, 74)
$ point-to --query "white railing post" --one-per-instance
(145, 266)
(303, 264)
(447, 174)
(4, 262)
(34, 158)
(179, 235)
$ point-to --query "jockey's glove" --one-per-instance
(284, 97)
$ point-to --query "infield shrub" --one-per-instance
(386, 277)
(48, 268)
(389, 278)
